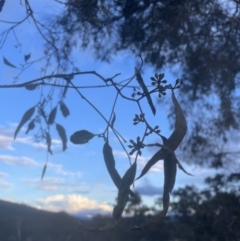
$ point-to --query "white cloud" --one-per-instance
(47, 184)
(4, 184)
(5, 142)
(3, 174)
(54, 184)
(72, 204)
(18, 161)
(58, 169)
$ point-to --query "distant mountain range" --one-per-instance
(19, 222)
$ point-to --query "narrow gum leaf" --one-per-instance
(180, 126)
(81, 137)
(49, 142)
(62, 133)
(145, 90)
(8, 63)
(129, 176)
(182, 168)
(160, 155)
(31, 126)
(64, 109)
(170, 171)
(173, 141)
(110, 164)
(26, 117)
(43, 171)
(52, 116)
(123, 194)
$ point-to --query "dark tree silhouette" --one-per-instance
(199, 38)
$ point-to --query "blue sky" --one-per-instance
(76, 180)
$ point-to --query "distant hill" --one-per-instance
(23, 223)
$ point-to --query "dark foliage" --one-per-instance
(201, 38)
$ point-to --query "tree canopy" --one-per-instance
(197, 39)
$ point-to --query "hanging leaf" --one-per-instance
(26, 117)
(110, 164)
(81, 137)
(65, 89)
(49, 142)
(182, 168)
(173, 141)
(43, 171)
(180, 126)
(145, 90)
(62, 133)
(170, 171)
(160, 155)
(27, 57)
(31, 86)
(8, 63)
(52, 116)
(31, 126)
(113, 120)
(123, 193)
(1, 5)
(65, 111)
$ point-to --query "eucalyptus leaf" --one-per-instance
(173, 141)
(43, 171)
(145, 90)
(52, 116)
(8, 63)
(26, 117)
(81, 137)
(31, 126)
(31, 86)
(27, 57)
(62, 133)
(123, 193)
(49, 142)
(110, 164)
(64, 109)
